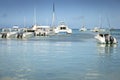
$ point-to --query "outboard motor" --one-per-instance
(19, 35)
(111, 40)
(4, 35)
(106, 39)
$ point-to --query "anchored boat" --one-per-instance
(62, 28)
(105, 38)
(9, 32)
(83, 29)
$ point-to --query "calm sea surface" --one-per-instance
(74, 56)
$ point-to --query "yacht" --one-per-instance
(105, 38)
(42, 30)
(62, 28)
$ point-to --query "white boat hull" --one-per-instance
(83, 29)
(106, 39)
(27, 34)
(24, 35)
(8, 34)
(62, 28)
(69, 31)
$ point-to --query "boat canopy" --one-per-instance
(43, 26)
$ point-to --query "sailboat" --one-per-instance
(62, 27)
(100, 28)
(83, 28)
(106, 38)
(95, 29)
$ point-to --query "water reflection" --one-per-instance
(92, 75)
(106, 49)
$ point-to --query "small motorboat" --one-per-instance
(105, 39)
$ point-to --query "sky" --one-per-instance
(75, 13)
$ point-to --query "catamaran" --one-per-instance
(63, 28)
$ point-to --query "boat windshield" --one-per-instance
(106, 34)
(101, 35)
(62, 28)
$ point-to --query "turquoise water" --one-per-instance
(74, 56)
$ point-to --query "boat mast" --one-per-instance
(83, 21)
(24, 21)
(100, 21)
(108, 24)
(34, 21)
(35, 16)
(53, 16)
